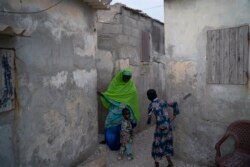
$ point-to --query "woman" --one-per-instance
(120, 94)
(163, 138)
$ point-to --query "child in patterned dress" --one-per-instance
(163, 139)
(126, 136)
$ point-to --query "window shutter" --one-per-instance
(145, 48)
(227, 56)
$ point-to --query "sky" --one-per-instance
(153, 8)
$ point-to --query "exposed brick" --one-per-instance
(129, 21)
(135, 32)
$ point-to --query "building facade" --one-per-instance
(207, 48)
(48, 112)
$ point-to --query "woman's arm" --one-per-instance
(99, 94)
(111, 102)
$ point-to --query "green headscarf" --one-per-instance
(122, 92)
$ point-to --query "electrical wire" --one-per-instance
(153, 7)
(34, 12)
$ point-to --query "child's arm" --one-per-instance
(150, 111)
(175, 107)
(149, 120)
(131, 133)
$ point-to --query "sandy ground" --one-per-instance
(142, 154)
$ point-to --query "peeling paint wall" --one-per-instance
(119, 45)
(55, 123)
(210, 108)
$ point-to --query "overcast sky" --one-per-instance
(153, 8)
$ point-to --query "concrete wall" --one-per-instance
(211, 108)
(119, 45)
(55, 121)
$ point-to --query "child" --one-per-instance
(126, 135)
(163, 139)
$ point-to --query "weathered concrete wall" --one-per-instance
(55, 122)
(119, 42)
(211, 108)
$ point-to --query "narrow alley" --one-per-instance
(74, 73)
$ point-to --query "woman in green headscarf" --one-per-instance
(120, 94)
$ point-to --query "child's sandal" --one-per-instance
(130, 157)
(120, 157)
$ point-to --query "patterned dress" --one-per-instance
(126, 137)
(163, 138)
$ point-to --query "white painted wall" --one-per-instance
(55, 121)
(211, 108)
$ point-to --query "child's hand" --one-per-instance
(173, 118)
(134, 124)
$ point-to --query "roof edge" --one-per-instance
(137, 11)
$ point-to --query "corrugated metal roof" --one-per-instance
(99, 4)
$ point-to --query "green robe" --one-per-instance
(123, 92)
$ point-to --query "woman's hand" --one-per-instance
(123, 105)
(99, 93)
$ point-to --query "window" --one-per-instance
(7, 95)
(157, 35)
(145, 47)
(227, 56)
